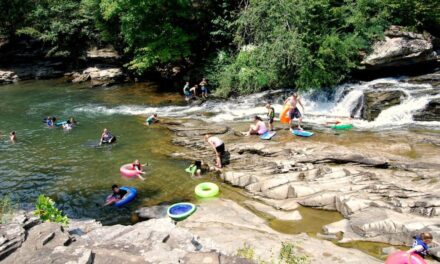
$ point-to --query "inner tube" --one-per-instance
(206, 189)
(131, 194)
(343, 127)
(127, 171)
(284, 115)
(180, 211)
(401, 257)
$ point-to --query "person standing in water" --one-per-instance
(107, 137)
(13, 137)
(219, 148)
(186, 92)
(204, 85)
(193, 91)
(270, 115)
(294, 112)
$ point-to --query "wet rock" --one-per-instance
(271, 212)
(7, 77)
(376, 102)
(400, 48)
(153, 212)
(433, 79)
(430, 113)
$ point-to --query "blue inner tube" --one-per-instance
(132, 192)
(181, 210)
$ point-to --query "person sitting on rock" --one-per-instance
(421, 245)
(258, 129)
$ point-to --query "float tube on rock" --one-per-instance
(180, 211)
(206, 189)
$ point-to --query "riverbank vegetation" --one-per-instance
(242, 46)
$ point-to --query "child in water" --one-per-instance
(137, 166)
(421, 245)
(117, 195)
(270, 115)
(151, 120)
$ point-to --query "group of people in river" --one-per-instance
(196, 91)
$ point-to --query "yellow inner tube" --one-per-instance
(206, 189)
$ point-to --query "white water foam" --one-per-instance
(319, 106)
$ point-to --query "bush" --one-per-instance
(46, 210)
(6, 209)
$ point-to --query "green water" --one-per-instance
(68, 166)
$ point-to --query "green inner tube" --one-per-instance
(206, 189)
(343, 127)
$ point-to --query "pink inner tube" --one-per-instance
(127, 171)
(401, 257)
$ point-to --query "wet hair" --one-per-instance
(114, 186)
(154, 115)
(13, 133)
(425, 235)
(258, 118)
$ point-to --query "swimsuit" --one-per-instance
(295, 113)
(271, 115)
(261, 128)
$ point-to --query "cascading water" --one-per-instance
(345, 100)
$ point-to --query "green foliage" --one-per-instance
(6, 209)
(302, 43)
(246, 252)
(61, 24)
(46, 210)
(12, 14)
(286, 256)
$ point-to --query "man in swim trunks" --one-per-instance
(219, 148)
(186, 92)
(294, 112)
(204, 85)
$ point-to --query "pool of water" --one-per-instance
(69, 166)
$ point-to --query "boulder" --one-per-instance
(377, 101)
(153, 212)
(431, 112)
(100, 76)
(7, 77)
(400, 48)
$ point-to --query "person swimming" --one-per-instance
(258, 129)
(107, 137)
(13, 137)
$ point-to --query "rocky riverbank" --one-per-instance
(385, 185)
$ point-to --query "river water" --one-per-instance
(69, 166)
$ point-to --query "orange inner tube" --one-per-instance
(284, 115)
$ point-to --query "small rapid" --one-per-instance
(320, 106)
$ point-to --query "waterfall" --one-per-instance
(320, 106)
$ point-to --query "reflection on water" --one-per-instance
(68, 166)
